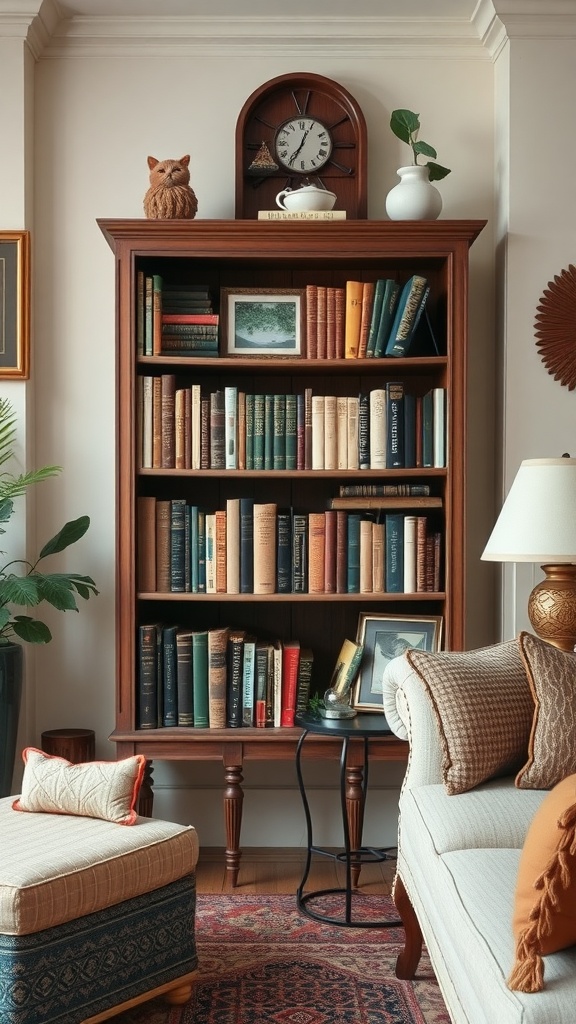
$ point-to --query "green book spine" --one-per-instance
(375, 320)
(353, 554)
(200, 678)
(394, 559)
(261, 677)
(279, 428)
(389, 304)
(406, 309)
(258, 431)
(201, 551)
(185, 703)
(268, 431)
(250, 431)
(169, 684)
(194, 549)
(291, 449)
(147, 677)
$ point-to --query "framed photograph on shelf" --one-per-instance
(14, 304)
(385, 637)
(262, 322)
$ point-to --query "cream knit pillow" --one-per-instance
(94, 789)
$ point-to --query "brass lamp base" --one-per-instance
(552, 606)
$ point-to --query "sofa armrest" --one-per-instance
(411, 716)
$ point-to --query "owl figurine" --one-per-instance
(169, 196)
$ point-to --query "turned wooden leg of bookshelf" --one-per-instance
(146, 797)
(233, 799)
(355, 812)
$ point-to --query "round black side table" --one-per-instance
(352, 799)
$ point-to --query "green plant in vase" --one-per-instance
(406, 126)
(29, 587)
(23, 585)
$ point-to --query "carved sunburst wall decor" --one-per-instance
(555, 327)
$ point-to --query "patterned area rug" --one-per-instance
(263, 962)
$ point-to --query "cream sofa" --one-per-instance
(458, 859)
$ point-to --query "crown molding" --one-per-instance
(87, 36)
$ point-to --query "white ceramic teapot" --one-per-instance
(308, 197)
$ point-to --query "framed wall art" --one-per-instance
(14, 304)
(385, 637)
(262, 322)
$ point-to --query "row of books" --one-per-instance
(252, 547)
(385, 428)
(363, 319)
(219, 678)
(173, 317)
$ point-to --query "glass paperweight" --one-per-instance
(337, 705)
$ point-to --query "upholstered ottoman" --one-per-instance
(94, 915)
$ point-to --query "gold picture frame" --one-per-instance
(262, 323)
(14, 305)
(385, 637)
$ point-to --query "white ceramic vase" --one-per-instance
(414, 197)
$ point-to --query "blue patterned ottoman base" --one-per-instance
(66, 974)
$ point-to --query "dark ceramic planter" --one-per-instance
(11, 662)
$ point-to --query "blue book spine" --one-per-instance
(376, 314)
(147, 677)
(389, 303)
(404, 318)
(353, 554)
(394, 559)
(201, 551)
(428, 430)
(364, 430)
(169, 681)
(394, 425)
(246, 545)
(177, 546)
(248, 671)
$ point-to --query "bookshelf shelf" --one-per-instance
(276, 256)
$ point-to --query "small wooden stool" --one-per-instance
(75, 745)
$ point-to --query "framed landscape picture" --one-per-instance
(385, 637)
(14, 304)
(262, 322)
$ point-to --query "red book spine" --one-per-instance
(311, 311)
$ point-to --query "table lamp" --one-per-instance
(538, 524)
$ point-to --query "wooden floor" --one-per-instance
(279, 870)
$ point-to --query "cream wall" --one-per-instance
(96, 116)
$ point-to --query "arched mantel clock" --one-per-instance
(300, 129)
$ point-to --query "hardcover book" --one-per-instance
(200, 678)
(184, 702)
(217, 649)
(290, 664)
(234, 682)
(354, 291)
(169, 682)
(265, 547)
(405, 318)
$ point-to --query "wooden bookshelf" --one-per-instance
(276, 255)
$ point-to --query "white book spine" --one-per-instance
(317, 431)
(378, 429)
(195, 427)
(353, 432)
(330, 433)
(342, 432)
(409, 554)
(231, 427)
(439, 428)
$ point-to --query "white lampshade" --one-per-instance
(538, 519)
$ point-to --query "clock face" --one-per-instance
(303, 145)
(300, 129)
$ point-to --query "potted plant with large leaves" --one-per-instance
(415, 197)
(23, 585)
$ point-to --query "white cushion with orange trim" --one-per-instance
(94, 789)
